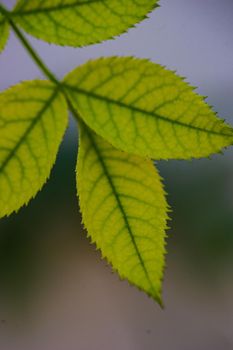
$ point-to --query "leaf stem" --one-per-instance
(4, 11)
(36, 58)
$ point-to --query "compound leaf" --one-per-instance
(124, 210)
(144, 109)
(80, 22)
(33, 118)
(4, 32)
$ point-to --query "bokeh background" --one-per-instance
(55, 291)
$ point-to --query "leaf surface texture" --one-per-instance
(33, 118)
(145, 109)
(4, 32)
(80, 22)
(124, 210)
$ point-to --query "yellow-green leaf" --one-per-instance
(142, 108)
(33, 118)
(4, 32)
(80, 22)
(124, 210)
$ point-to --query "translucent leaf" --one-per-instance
(4, 32)
(80, 22)
(124, 210)
(144, 109)
(33, 118)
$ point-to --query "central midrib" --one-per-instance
(139, 110)
(121, 208)
(28, 130)
(18, 12)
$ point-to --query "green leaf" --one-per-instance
(4, 32)
(124, 210)
(144, 109)
(80, 22)
(33, 118)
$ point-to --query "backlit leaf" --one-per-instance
(80, 22)
(124, 210)
(144, 109)
(33, 118)
(4, 32)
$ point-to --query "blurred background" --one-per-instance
(55, 291)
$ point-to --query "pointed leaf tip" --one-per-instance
(80, 23)
(145, 109)
(124, 210)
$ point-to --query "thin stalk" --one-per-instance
(33, 54)
(28, 47)
(37, 59)
(4, 11)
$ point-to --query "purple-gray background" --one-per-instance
(74, 301)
